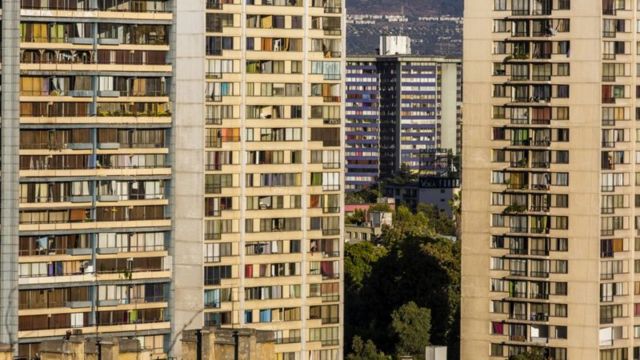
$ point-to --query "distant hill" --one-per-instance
(368, 19)
(411, 7)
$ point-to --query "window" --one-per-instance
(213, 274)
(248, 316)
(562, 91)
(497, 349)
(294, 246)
(327, 335)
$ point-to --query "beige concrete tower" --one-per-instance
(273, 171)
(549, 179)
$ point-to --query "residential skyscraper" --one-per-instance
(401, 110)
(549, 226)
(86, 170)
(172, 164)
(274, 171)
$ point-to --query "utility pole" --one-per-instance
(198, 344)
(236, 345)
(99, 347)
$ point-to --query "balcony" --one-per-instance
(540, 252)
(331, 121)
(288, 340)
(607, 276)
(78, 304)
(539, 296)
(539, 208)
(213, 188)
(540, 274)
(539, 317)
(540, 164)
(213, 236)
(518, 229)
(79, 251)
(136, 6)
(514, 272)
(542, 142)
(330, 232)
(518, 294)
(539, 230)
(522, 163)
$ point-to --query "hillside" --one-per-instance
(415, 7)
(435, 26)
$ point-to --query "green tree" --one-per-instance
(359, 261)
(357, 218)
(403, 176)
(361, 350)
(441, 222)
(412, 263)
(365, 196)
(382, 207)
(411, 324)
(533, 354)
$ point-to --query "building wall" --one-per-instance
(187, 302)
(274, 171)
(449, 136)
(498, 271)
(95, 169)
(152, 130)
(363, 123)
(9, 157)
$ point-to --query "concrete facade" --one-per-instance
(548, 234)
(10, 128)
(187, 301)
(87, 166)
(274, 174)
(173, 163)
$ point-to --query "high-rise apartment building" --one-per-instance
(549, 220)
(400, 110)
(138, 136)
(274, 171)
(86, 170)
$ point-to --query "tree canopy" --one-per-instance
(412, 264)
(533, 354)
(411, 325)
(361, 350)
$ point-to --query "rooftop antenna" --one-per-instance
(402, 20)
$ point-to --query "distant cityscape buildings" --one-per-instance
(402, 111)
(431, 35)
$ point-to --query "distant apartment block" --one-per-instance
(438, 191)
(401, 110)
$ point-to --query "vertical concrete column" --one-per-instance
(10, 136)
(187, 149)
(343, 167)
(448, 120)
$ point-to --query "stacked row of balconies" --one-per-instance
(95, 120)
(530, 133)
(270, 241)
(616, 212)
